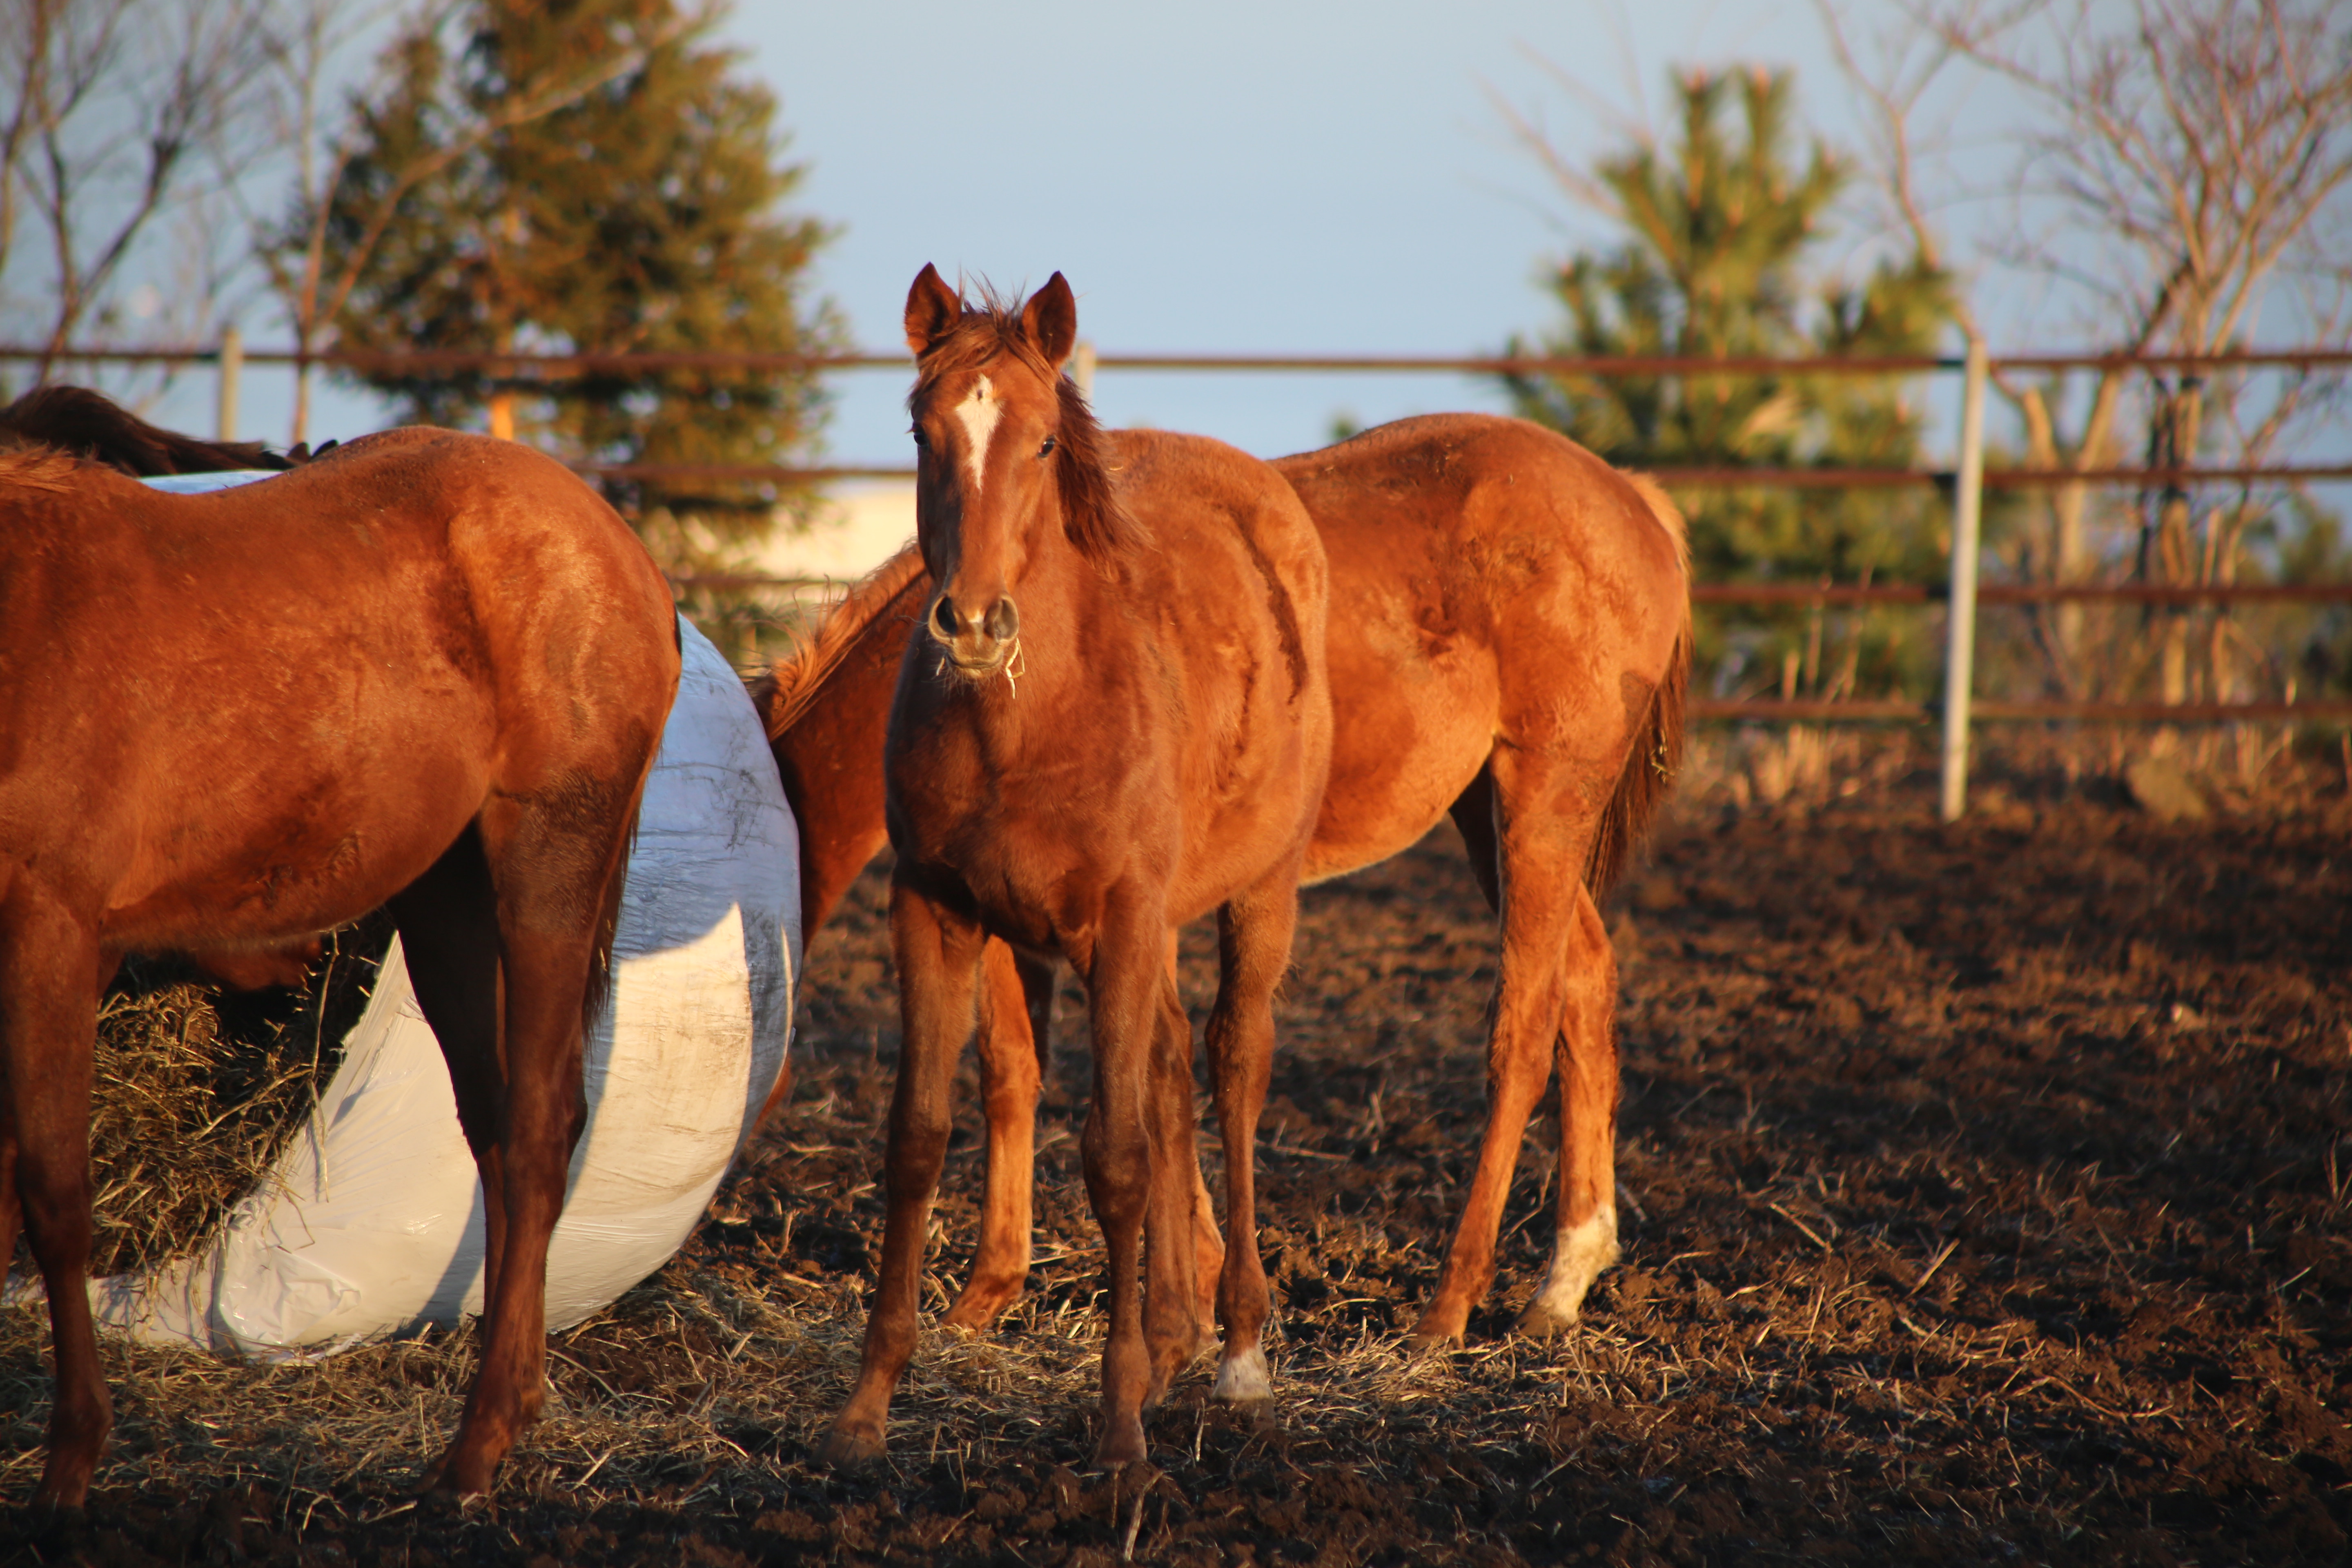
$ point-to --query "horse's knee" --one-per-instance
(1118, 1172)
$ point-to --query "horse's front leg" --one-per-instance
(48, 1028)
(1012, 1056)
(1131, 1170)
(938, 954)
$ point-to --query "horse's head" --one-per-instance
(1009, 460)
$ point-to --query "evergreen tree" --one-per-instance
(597, 180)
(1723, 224)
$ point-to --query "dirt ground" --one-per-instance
(1987, 1196)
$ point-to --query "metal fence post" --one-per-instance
(232, 364)
(1960, 630)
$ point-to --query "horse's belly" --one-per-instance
(1410, 730)
(298, 850)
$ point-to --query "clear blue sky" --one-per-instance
(1288, 175)
(1282, 176)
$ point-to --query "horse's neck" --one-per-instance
(1075, 622)
(830, 758)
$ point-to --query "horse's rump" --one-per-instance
(384, 615)
(1656, 756)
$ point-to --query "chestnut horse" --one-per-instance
(1509, 641)
(1113, 720)
(428, 671)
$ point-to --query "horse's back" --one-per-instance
(1496, 504)
(321, 674)
(1490, 579)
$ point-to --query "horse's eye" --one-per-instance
(1048, 447)
(921, 439)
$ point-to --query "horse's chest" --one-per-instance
(1030, 848)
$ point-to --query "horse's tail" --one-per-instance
(1657, 751)
(90, 426)
(599, 989)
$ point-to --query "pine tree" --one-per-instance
(599, 180)
(1723, 224)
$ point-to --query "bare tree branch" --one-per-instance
(115, 99)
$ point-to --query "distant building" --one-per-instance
(863, 523)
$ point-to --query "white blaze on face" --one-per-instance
(978, 412)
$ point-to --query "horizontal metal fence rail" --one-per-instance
(592, 362)
(1678, 479)
(1958, 708)
(2022, 592)
(1800, 594)
(1880, 710)
(2003, 479)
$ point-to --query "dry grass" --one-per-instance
(195, 1091)
(1985, 1191)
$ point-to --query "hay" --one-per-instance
(196, 1090)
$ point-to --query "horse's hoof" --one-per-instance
(1243, 1379)
(1122, 1444)
(1427, 1335)
(57, 1523)
(849, 1452)
(977, 1311)
(64, 1512)
(457, 1476)
(1541, 1322)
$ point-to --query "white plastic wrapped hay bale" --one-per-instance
(371, 1221)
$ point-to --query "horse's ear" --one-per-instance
(1050, 321)
(932, 310)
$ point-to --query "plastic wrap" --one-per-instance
(371, 1221)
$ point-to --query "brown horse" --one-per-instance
(89, 425)
(1509, 640)
(1113, 720)
(429, 670)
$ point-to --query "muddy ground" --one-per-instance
(1987, 1196)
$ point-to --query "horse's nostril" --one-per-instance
(943, 616)
(1003, 621)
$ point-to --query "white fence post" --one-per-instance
(232, 364)
(1960, 630)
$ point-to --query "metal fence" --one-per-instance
(1957, 710)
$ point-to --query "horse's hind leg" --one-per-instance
(1180, 1304)
(1587, 1052)
(48, 1026)
(1545, 819)
(1253, 937)
(448, 926)
(1011, 1053)
(555, 856)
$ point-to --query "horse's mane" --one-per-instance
(89, 426)
(785, 691)
(37, 468)
(1092, 517)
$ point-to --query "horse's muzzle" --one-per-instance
(976, 647)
